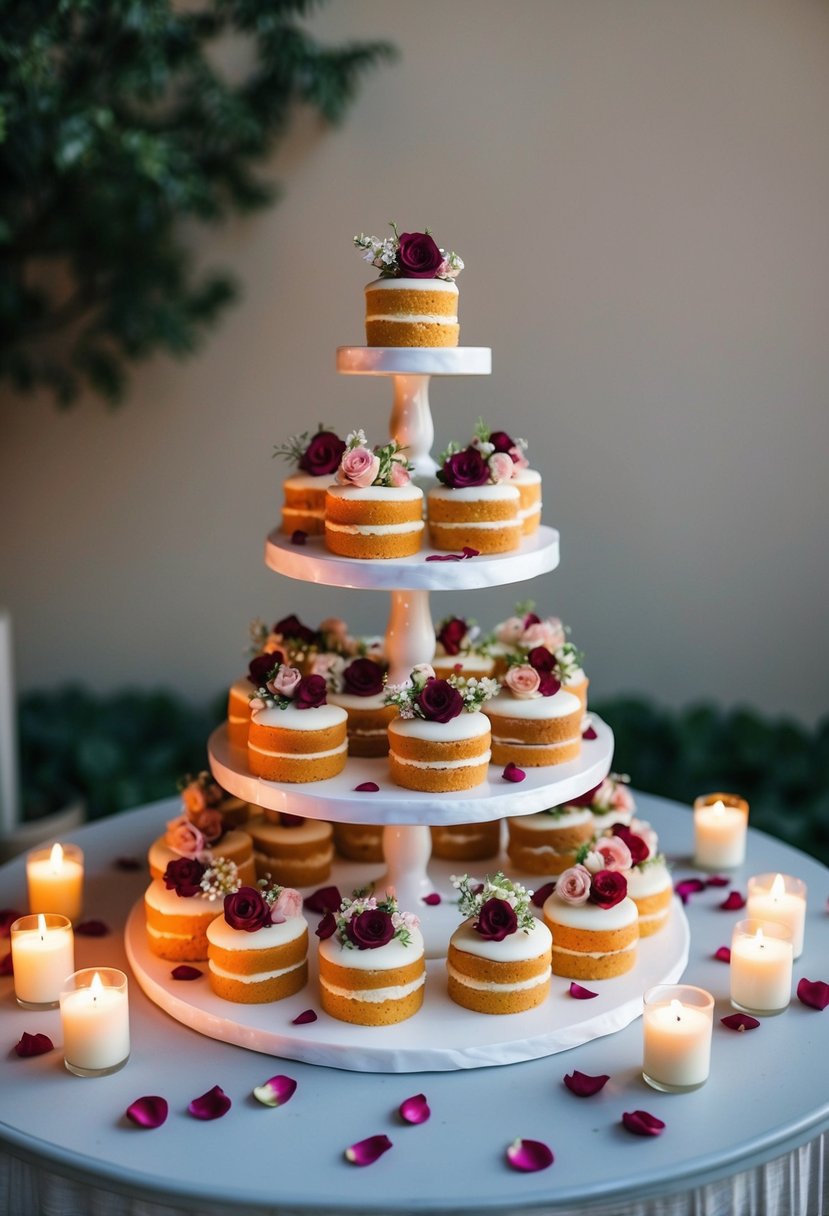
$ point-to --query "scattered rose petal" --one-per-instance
(445, 557)
(366, 1152)
(211, 1105)
(275, 1092)
(325, 899)
(529, 1155)
(583, 1085)
(128, 864)
(641, 1123)
(513, 773)
(415, 1109)
(33, 1044)
(6, 965)
(327, 926)
(544, 892)
(813, 992)
(432, 899)
(470, 552)
(298, 537)
(717, 880)
(723, 954)
(92, 928)
(302, 1019)
(589, 733)
(150, 1111)
(7, 918)
(687, 887)
(185, 972)
(367, 787)
(581, 994)
(740, 1021)
(734, 901)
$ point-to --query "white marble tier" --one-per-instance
(414, 360)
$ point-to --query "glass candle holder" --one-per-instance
(761, 967)
(720, 829)
(779, 898)
(55, 879)
(94, 1014)
(677, 1020)
(43, 956)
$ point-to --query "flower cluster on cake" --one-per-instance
(372, 966)
(593, 920)
(257, 949)
(535, 722)
(295, 735)
(316, 458)
(205, 828)
(477, 502)
(440, 740)
(359, 687)
(461, 649)
(373, 510)
(414, 302)
(515, 637)
(650, 885)
(180, 905)
(609, 802)
(526, 480)
(499, 958)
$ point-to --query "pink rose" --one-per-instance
(622, 799)
(184, 838)
(510, 630)
(426, 670)
(286, 905)
(286, 681)
(193, 798)
(209, 822)
(549, 633)
(614, 853)
(573, 886)
(501, 467)
(335, 631)
(400, 475)
(523, 681)
(358, 467)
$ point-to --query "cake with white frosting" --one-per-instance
(535, 722)
(594, 923)
(373, 511)
(476, 504)
(358, 687)
(257, 949)
(414, 302)
(526, 480)
(460, 649)
(649, 880)
(548, 841)
(499, 958)
(295, 736)
(201, 832)
(180, 906)
(466, 841)
(290, 850)
(316, 458)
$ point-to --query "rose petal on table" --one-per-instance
(367, 787)
(813, 992)
(298, 537)
(513, 773)
(33, 1045)
(717, 880)
(641, 1123)
(723, 954)
(529, 1155)
(583, 1085)
(211, 1105)
(276, 1091)
(302, 1019)
(366, 1152)
(324, 899)
(432, 899)
(581, 994)
(544, 892)
(733, 902)
(468, 551)
(444, 557)
(7, 918)
(414, 1109)
(128, 864)
(740, 1021)
(92, 928)
(589, 732)
(687, 887)
(150, 1111)
(185, 972)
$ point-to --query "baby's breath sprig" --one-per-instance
(473, 896)
(220, 878)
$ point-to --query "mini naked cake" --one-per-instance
(415, 300)
(290, 850)
(199, 833)
(441, 741)
(549, 841)
(460, 651)
(359, 841)
(535, 723)
(650, 885)
(258, 949)
(203, 794)
(610, 802)
(294, 735)
(476, 504)
(180, 906)
(359, 687)
(316, 458)
(526, 480)
(467, 841)
(373, 511)
(594, 923)
(372, 967)
(499, 958)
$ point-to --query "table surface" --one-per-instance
(767, 1092)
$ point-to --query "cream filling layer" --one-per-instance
(422, 318)
(484, 525)
(467, 762)
(412, 525)
(308, 859)
(480, 986)
(593, 953)
(333, 751)
(518, 744)
(374, 996)
(317, 512)
(257, 978)
(180, 937)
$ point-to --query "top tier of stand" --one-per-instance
(414, 360)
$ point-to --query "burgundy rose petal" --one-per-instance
(432, 899)
(367, 787)
(302, 1019)
(185, 972)
(717, 880)
(366, 1152)
(150, 1111)
(414, 1109)
(723, 954)
(468, 551)
(529, 1155)
(813, 992)
(687, 887)
(581, 994)
(445, 557)
(298, 537)
(211, 1105)
(128, 864)
(33, 1044)
(589, 733)
(641, 1123)
(7, 918)
(583, 1085)
(734, 901)
(513, 773)
(92, 928)
(276, 1091)
(324, 899)
(6, 965)
(538, 897)
(740, 1021)
(327, 926)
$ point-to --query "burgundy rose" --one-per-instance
(496, 920)
(363, 678)
(322, 455)
(439, 701)
(531, 619)
(418, 256)
(184, 876)
(293, 628)
(452, 634)
(310, 692)
(638, 847)
(608, 888)
(462, 469)
(247, 909)
(261, 669)
(501, 441)
(370, 929)
(585, 799)
(544, 662)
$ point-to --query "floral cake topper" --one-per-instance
(603, 887)
(356, 677)
(408, 255)
(282, 686)
(489, 441)
(205, 875)
(318, 453)
(364, 922)
(611, 794)
(498, 905)
(423, 695)
(252, 908)
(459, 635)
(385, 465)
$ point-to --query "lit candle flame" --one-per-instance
(41, 925)
(758, 937)
(718, 807)
(96, 986)
(56, 858)
(778, 887)
(676, 1009)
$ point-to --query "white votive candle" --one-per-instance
(782, 899)
(55, 879)
(761, 967)
(43, 957)
(94, 1014)
(677, 1020)
(720, 827)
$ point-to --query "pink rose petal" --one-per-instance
(583, 1085)
(211, 1105)
(723, 954)
(513, 773)
(33, 1044)
(414, 1109)
(529, 1155)
(150, 1111)
(813, 992)
(185, 972)
(276, 1091)
(92, 928)
(642, 1124)
(581, 994)
(687, 887)
(128, 864)
(302, 1019)
(740, 1021)
(589, 733)
(325, 899)
(432, 899)
(7, 918)
(366, 1152)
(717, 880)
(367, 787)
(733, 902)
(544, 892)
(6, 965)
(298, 537)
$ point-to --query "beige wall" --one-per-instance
(640, 189)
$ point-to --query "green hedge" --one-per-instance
(122, 750)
